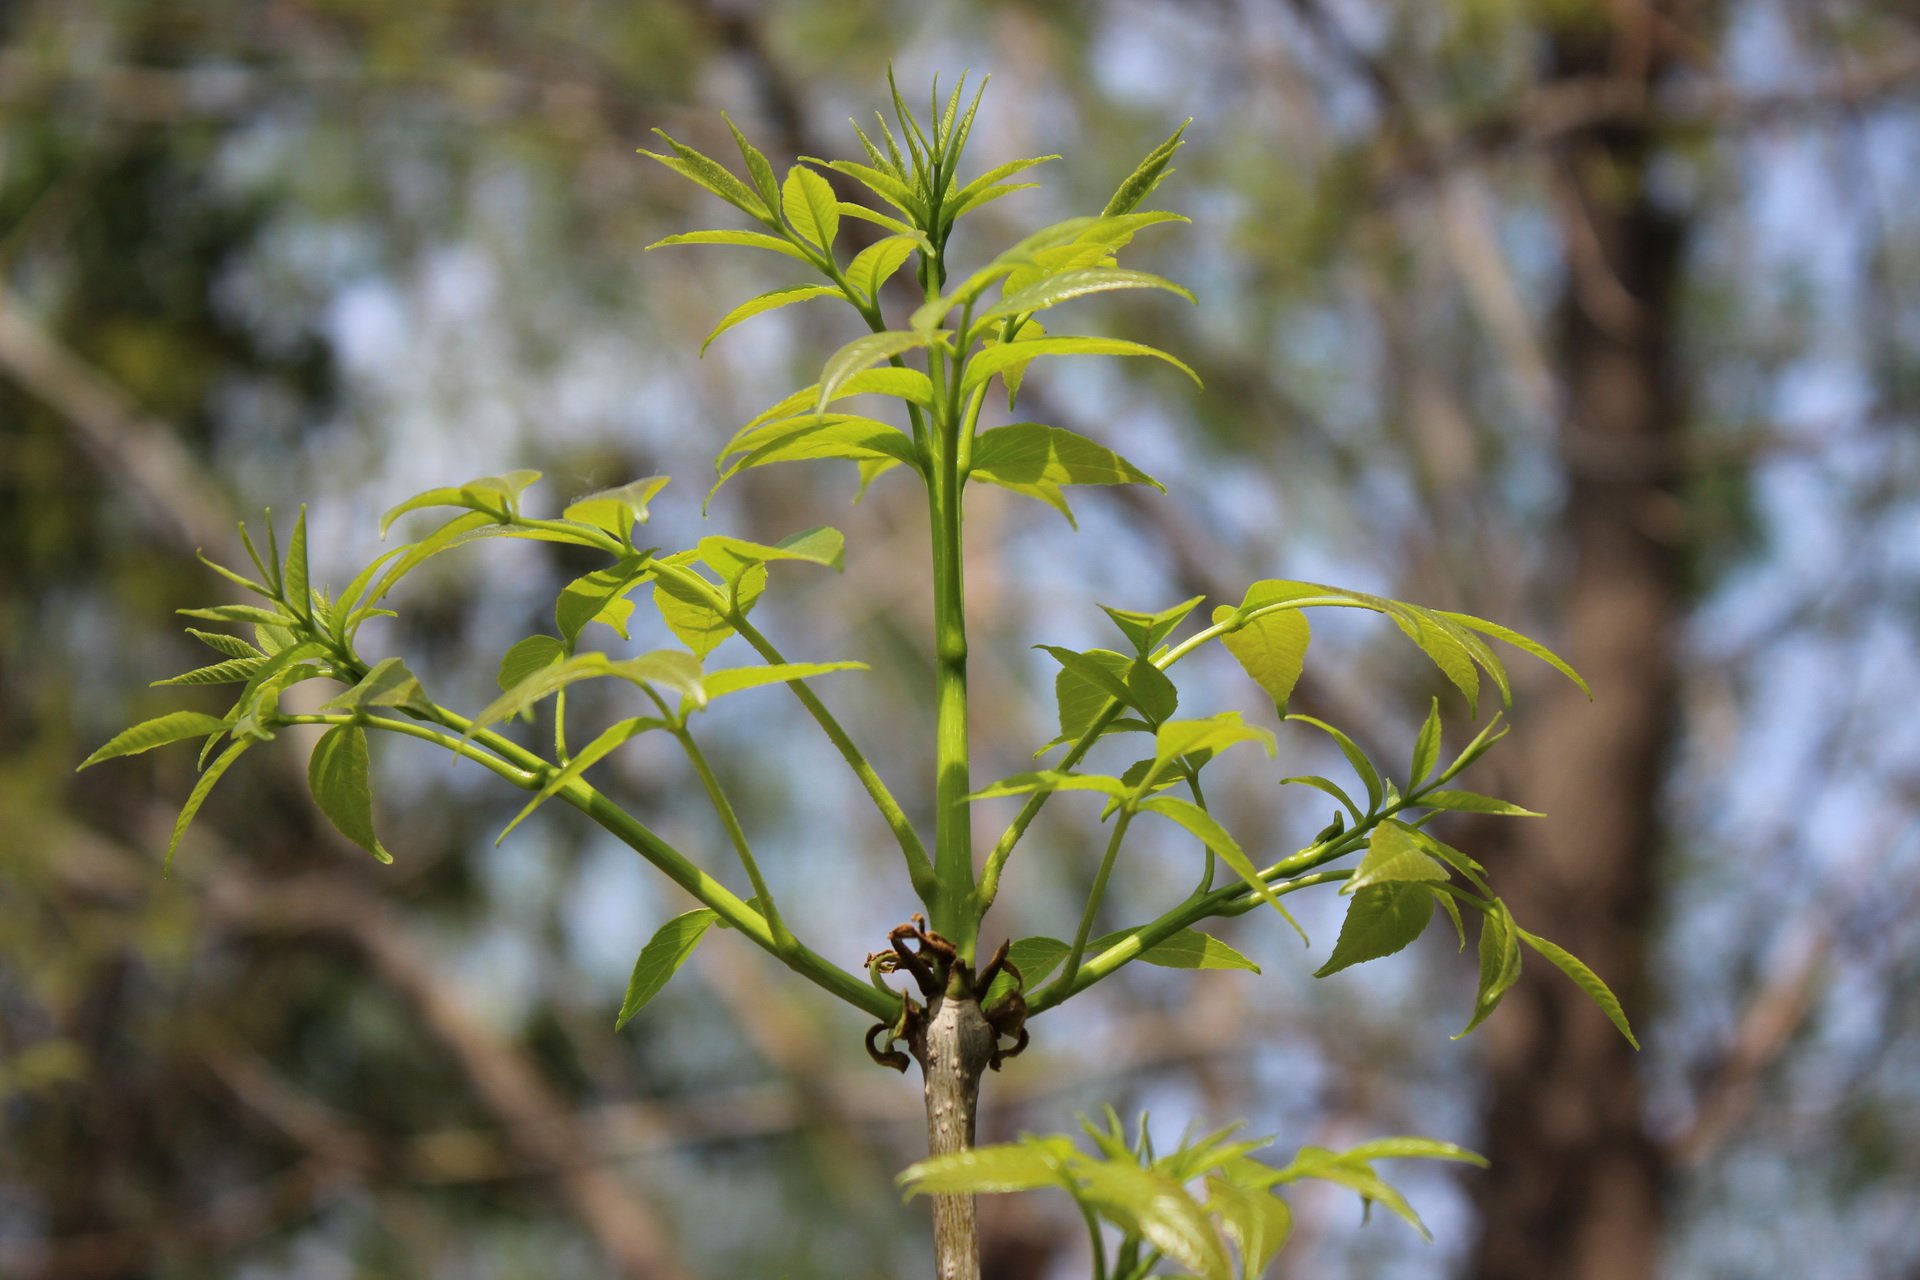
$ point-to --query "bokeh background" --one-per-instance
(1595, 316)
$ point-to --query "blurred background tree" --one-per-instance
(1594, 315)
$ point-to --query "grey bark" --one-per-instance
(952, 1043)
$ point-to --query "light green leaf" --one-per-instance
(1035, 958)
(993, 177)
(1187, 949)
(1081, 694)
(765, 185)
(1380, 921)
(1155, 1207)
(1499, 962)
(337, 774)
(232, 671)
(1355, 1175)
(1214, 734)
(719, 684)
(861, 353)
(1258, 1222)
(1224, 846)
(617, 510)
(582, 760)
(528, 656)
(1069, 285)
(1401, 1148)
(1036, 460)
(294, 576)
(1355, 757)
(387, 683)
(730, 557)
(201, 790)
(593, 597)
(1393, 856)
(492, 495)
(1444, 648)
(1049, 780)
(812, 210)
(666, 669)
(909, 385)
(1271, 649)
(1521, 643)
(231, 646)
(1426, 748)
(693, 618)
(1135, 682)
(1011, 1166)
(175, 726)
(237, 613)
(993, 359)
(864, 214)
(1146, 176)
(712, 175)
(1474, 802)
(816, 437)
(662, 957)
(772, 300)
(1585, 978)
(744, 239)
(874, 265)
(885, 185)
(1147, 630)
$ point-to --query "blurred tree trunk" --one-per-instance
(1576, 1186)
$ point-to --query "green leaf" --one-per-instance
(1083, 694)
(1050, 780)
(1499, 962)
(1327, 785)
(964, 197)
(1146, 176)
(885, 185)
(666, 669)
(1257, 1222)
(387, 683)
(231, 646)
(1147, 630)
(582, 760)
(815, 437)
(1521, 643)
(1187, 949)
(232, 671)
(237, 613)
(1271, 649)
(712, 175)
(1439, 644)
(1224, 846)
(992, 360)
(861, 353)
(730, 557)
(691, 616)
(617, 510)
(1380, 921)
(1355, 757)
(1068, 285)
(1011, 1166)
(1035, 958)
(874, 265)
(719, 684)
(1213, 735)
(1035, 460)
(864, 214)
(812, 210)
(772, 300)
(175, 726)
(1586, 979)
(765, 185)
(1393, 856)
(1402, 1148)
(1474, 802)
(337, 774)
(492, 495)
(528, 656)
(744, 239)
(1426, 748)
(201, 790)
(1134, 682)
(910, 385)
(662, 957)
(593, 597)
(1155, 1207)
(293, 577)
(1357, 1176)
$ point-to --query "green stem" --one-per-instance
(953, 906)
(1094, 896)
(1183, 917)
(783, 940)
(919, 866)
